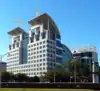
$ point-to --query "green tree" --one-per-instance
(20, 77)
(82, 69)
(58, 74)
(49, 75)
(6, 76)
(36, 79)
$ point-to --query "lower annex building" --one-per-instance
(89, 56)
(38, 51)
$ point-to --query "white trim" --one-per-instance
(58, 39)
(58, 55)
(59, 47)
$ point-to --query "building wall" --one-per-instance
(2, 66)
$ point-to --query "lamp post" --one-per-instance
(75, 59)
(75, 72)
(93, 75)
(1, 56)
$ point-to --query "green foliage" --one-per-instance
(20, 77)
(34, 79)
(67, 70)
(6, 76)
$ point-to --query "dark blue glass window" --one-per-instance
(58, 51)
(40, 55)
(43, 41)
(40, 47)
(9, 47)
(52, 35)
(31, 53)
(33, 34)
(58, 43)
(43, 68)
(40, 60)
(43, 35)
(43, 54)
(40, 51)
(44, 46)
(40, 42)
(31, 39)
(57, 36)
(52, 32)
(43, 50)
(47, 50)
(13, 46)
(37, 37)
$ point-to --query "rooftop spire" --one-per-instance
(36, 12)
(17, 23)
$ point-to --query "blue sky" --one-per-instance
(77, 20)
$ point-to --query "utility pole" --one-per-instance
(75, 72)
(75, 59)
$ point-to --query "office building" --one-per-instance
(38, 51)
(89, 56)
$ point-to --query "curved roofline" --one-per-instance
(54, 22)
(65, 46)
(46, 17)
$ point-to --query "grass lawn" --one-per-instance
(30, 89)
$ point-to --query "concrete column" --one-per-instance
(30, 33)
(12, 39)
(35, 37)
(41, 31)
(21, 37)
(93, 70)
(48, 34)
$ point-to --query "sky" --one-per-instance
(78, 20)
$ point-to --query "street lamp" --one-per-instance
(1, 56)
(75, 59)
(93, 75)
